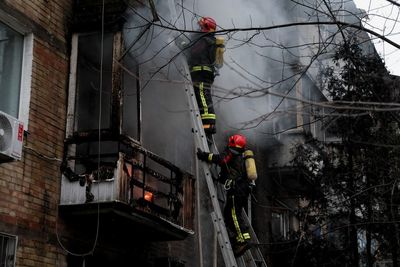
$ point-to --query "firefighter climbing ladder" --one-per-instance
(248, 259)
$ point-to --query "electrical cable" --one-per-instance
(41, 155)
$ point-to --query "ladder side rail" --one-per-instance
(253, 235)
(223, 238)
(227, 254)
(241, 262)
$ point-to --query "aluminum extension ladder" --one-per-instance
(253, 257)
(248, 259)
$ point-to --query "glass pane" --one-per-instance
(130, 122)
(276, 219)
(11, 51)
(7, 251)
(88, 82)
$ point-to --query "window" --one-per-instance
(8, 246)
(11, 51)
(85, 94)
(280, 225)
(89, 69)
(15, 71)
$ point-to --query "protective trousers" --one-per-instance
(202, 81)
(237, 227)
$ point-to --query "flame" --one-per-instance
(148, 196)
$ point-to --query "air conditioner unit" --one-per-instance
(11, 138)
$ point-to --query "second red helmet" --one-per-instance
(207, 24)
(237, 141)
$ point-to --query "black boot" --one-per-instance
(240, 248)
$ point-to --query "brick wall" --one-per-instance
(29, 189)
(53, 16)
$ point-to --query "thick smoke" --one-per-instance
(252, 60)
(166, 128)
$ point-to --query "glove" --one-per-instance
(252, 185)
(202, 155)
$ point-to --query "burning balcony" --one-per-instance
(127, 185)
(114, 112)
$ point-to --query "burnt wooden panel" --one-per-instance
(116, 115)
(188, 202)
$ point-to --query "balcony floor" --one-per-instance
(122, 222)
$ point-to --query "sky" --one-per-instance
(384, 18)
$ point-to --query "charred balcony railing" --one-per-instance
(124, 172)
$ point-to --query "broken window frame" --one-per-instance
(115, 124)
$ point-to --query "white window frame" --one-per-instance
(26, 80)
(26, 67)
(70, 127)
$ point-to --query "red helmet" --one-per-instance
(207, 24)
(237, 141)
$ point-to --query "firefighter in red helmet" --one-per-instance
(201, 53)
(238, 186)
(207, 24)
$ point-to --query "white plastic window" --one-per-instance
(11, 52)
(16, 48)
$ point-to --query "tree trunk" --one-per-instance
(353, 238)
(395, 248)
(368, 233)
(368, 237)
(394, 245)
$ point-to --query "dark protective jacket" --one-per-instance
(202, 50)
(232, 168)
(238, 186)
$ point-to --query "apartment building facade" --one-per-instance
(104, 172)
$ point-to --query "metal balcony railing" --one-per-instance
(126, 173)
